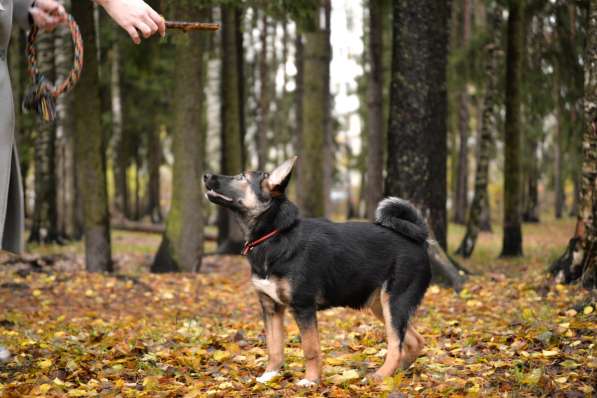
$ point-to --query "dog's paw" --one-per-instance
(267, 376)
(4, 354)
(306, 383)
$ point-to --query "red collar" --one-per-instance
(248, 246)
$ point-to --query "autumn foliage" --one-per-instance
(71, 333)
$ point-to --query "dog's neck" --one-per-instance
(281, 215)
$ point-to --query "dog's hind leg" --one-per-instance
(273, 319)
(393, 352)
(413, 344)
(307, 323)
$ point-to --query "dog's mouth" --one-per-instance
(218, 197)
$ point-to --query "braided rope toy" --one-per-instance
(41, 95)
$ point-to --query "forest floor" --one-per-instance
(510, 332)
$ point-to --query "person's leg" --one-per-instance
(12, 239)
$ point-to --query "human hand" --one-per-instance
(47, 14)
(134, 16)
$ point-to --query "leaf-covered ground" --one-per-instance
(508, 333)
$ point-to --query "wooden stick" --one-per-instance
(189, 26)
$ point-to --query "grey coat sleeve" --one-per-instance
(21, 13)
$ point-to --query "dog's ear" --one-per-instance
(279, 178)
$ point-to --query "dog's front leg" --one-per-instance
(307, 323)
(273, 319)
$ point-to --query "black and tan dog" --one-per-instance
(307, 265)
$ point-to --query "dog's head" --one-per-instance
(249, 194)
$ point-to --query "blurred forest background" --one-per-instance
(473, 110)
(481, 112)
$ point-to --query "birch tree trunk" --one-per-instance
(488, 126)
(118, 145)
(461, 194)
(579, 261)
(65, 159)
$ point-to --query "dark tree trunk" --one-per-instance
(89, 150)
(417, 132)
(512, 240)
(264, 97)
(416, 168)
(531, 200)
(557, 147)
(461, 194)
(240, 67)
(230, 236)
(315, 115)
(182, 243)
(488, 126)
(299, 93)
(154, 161)
(45, 217)
(375, 134)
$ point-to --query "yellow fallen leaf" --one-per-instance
(561, 380)
(89, 293)
(45, 364)
(220, 355)
(550, 353)
(225, 385)
(587, 310)
(433, 289)
(77, 393)
(36, 293)
(44, 388)
(58, 382)
(345, 377)
(533, 377)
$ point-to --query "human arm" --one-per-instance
(134, 16)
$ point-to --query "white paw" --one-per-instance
(306, 383)
(267, 376)
(4, 354)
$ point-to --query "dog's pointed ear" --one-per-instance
(279, 178)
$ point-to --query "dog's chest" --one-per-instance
(278, 289)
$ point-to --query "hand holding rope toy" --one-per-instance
(41, 95)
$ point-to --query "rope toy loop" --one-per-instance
(41, 95)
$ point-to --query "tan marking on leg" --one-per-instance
(413, 344)
(393, 356)
(374, 304)
(312, 351)
(273, 316)
(284, 290)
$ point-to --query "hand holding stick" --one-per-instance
(190, 26)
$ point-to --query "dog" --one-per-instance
(306, 265)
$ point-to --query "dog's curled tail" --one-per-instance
(401, 216)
